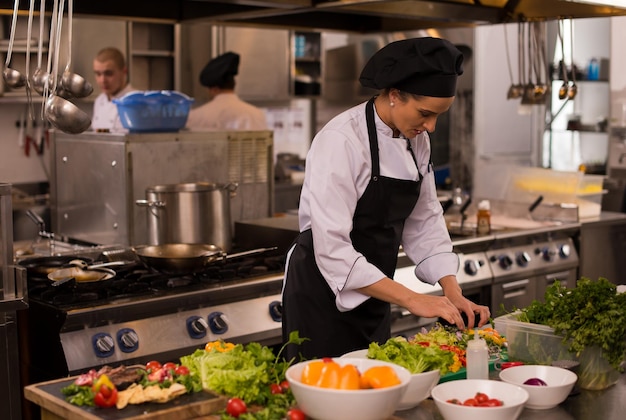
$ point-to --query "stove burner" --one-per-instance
(135, 280)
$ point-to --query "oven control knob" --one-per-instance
(471, 267)
(196, 327)
(547, 254)
(505, 262)
(564, 251)
(103, 344)
(276, 310)
(217, 323)
(128, 340)
(522, 258)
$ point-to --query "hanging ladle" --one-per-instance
(40, 76)
(515, 90)
(60, 112)
(73, 83)
(573, 89)
(12, 77)
(565, 85)
(541, 89)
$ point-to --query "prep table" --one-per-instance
(607, 404)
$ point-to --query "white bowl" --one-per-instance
(560, 383)
(512, 396)
(336, 404)
(419, 388)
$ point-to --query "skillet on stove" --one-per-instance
(186, 258)
(42, 266)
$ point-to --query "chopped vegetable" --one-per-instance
(590, 314)
(247, 373)
(415, 357)
(535, 382)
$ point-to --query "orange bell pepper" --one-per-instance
(379, 377)
(349, 377)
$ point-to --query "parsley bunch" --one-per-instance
(590, 314)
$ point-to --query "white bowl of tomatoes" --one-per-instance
(479, 399)
(362, 402)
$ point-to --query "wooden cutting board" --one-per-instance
(53, 405)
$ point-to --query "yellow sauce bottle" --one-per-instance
(483, 218)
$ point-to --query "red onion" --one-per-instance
(535, 382)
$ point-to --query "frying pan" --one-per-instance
(79, 275)
(186, 258)
(42, 266)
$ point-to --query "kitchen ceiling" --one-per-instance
(362, 16)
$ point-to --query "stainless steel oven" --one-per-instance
(522, 271)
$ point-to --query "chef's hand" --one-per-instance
(453, 292)
(423, 305)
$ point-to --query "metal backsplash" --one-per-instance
(96, 178)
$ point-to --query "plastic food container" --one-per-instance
(153, 111)
(526, 184)
(538, 344)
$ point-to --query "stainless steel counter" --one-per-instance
(608, 404)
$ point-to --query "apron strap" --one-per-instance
(371, 131)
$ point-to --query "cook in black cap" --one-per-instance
(422, 66)
(221, 71)
(225, 109)
(369, 189)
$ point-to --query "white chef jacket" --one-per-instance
(105, 116)
(227, 111)
(338, 169)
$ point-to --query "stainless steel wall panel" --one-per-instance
(97, 178)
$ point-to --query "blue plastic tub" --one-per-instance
(153, 111)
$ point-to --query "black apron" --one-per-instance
(309, 303)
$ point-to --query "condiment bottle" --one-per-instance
(483, 218)
(477, 357)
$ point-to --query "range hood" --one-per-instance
(361, 16)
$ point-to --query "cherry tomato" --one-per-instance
(285, 385)
(236, 407)
(470, 402)
(481, 397)
(181, 370)
(169, 366)
(295, 414)
(493, 403)
(275, 389)
(153, 365)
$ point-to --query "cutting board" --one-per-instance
(52, 402)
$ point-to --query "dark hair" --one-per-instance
(404, 96)
(229, 82)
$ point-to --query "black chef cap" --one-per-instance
(220, 69)
(423, 66)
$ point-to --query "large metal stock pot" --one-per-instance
(193, 213)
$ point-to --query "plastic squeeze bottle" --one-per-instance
(477, 358)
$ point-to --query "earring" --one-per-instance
(391, 104)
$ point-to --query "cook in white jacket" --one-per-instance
(225, 110)
(369, 188)
(111, 74)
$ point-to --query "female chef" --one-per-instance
(369, 188)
